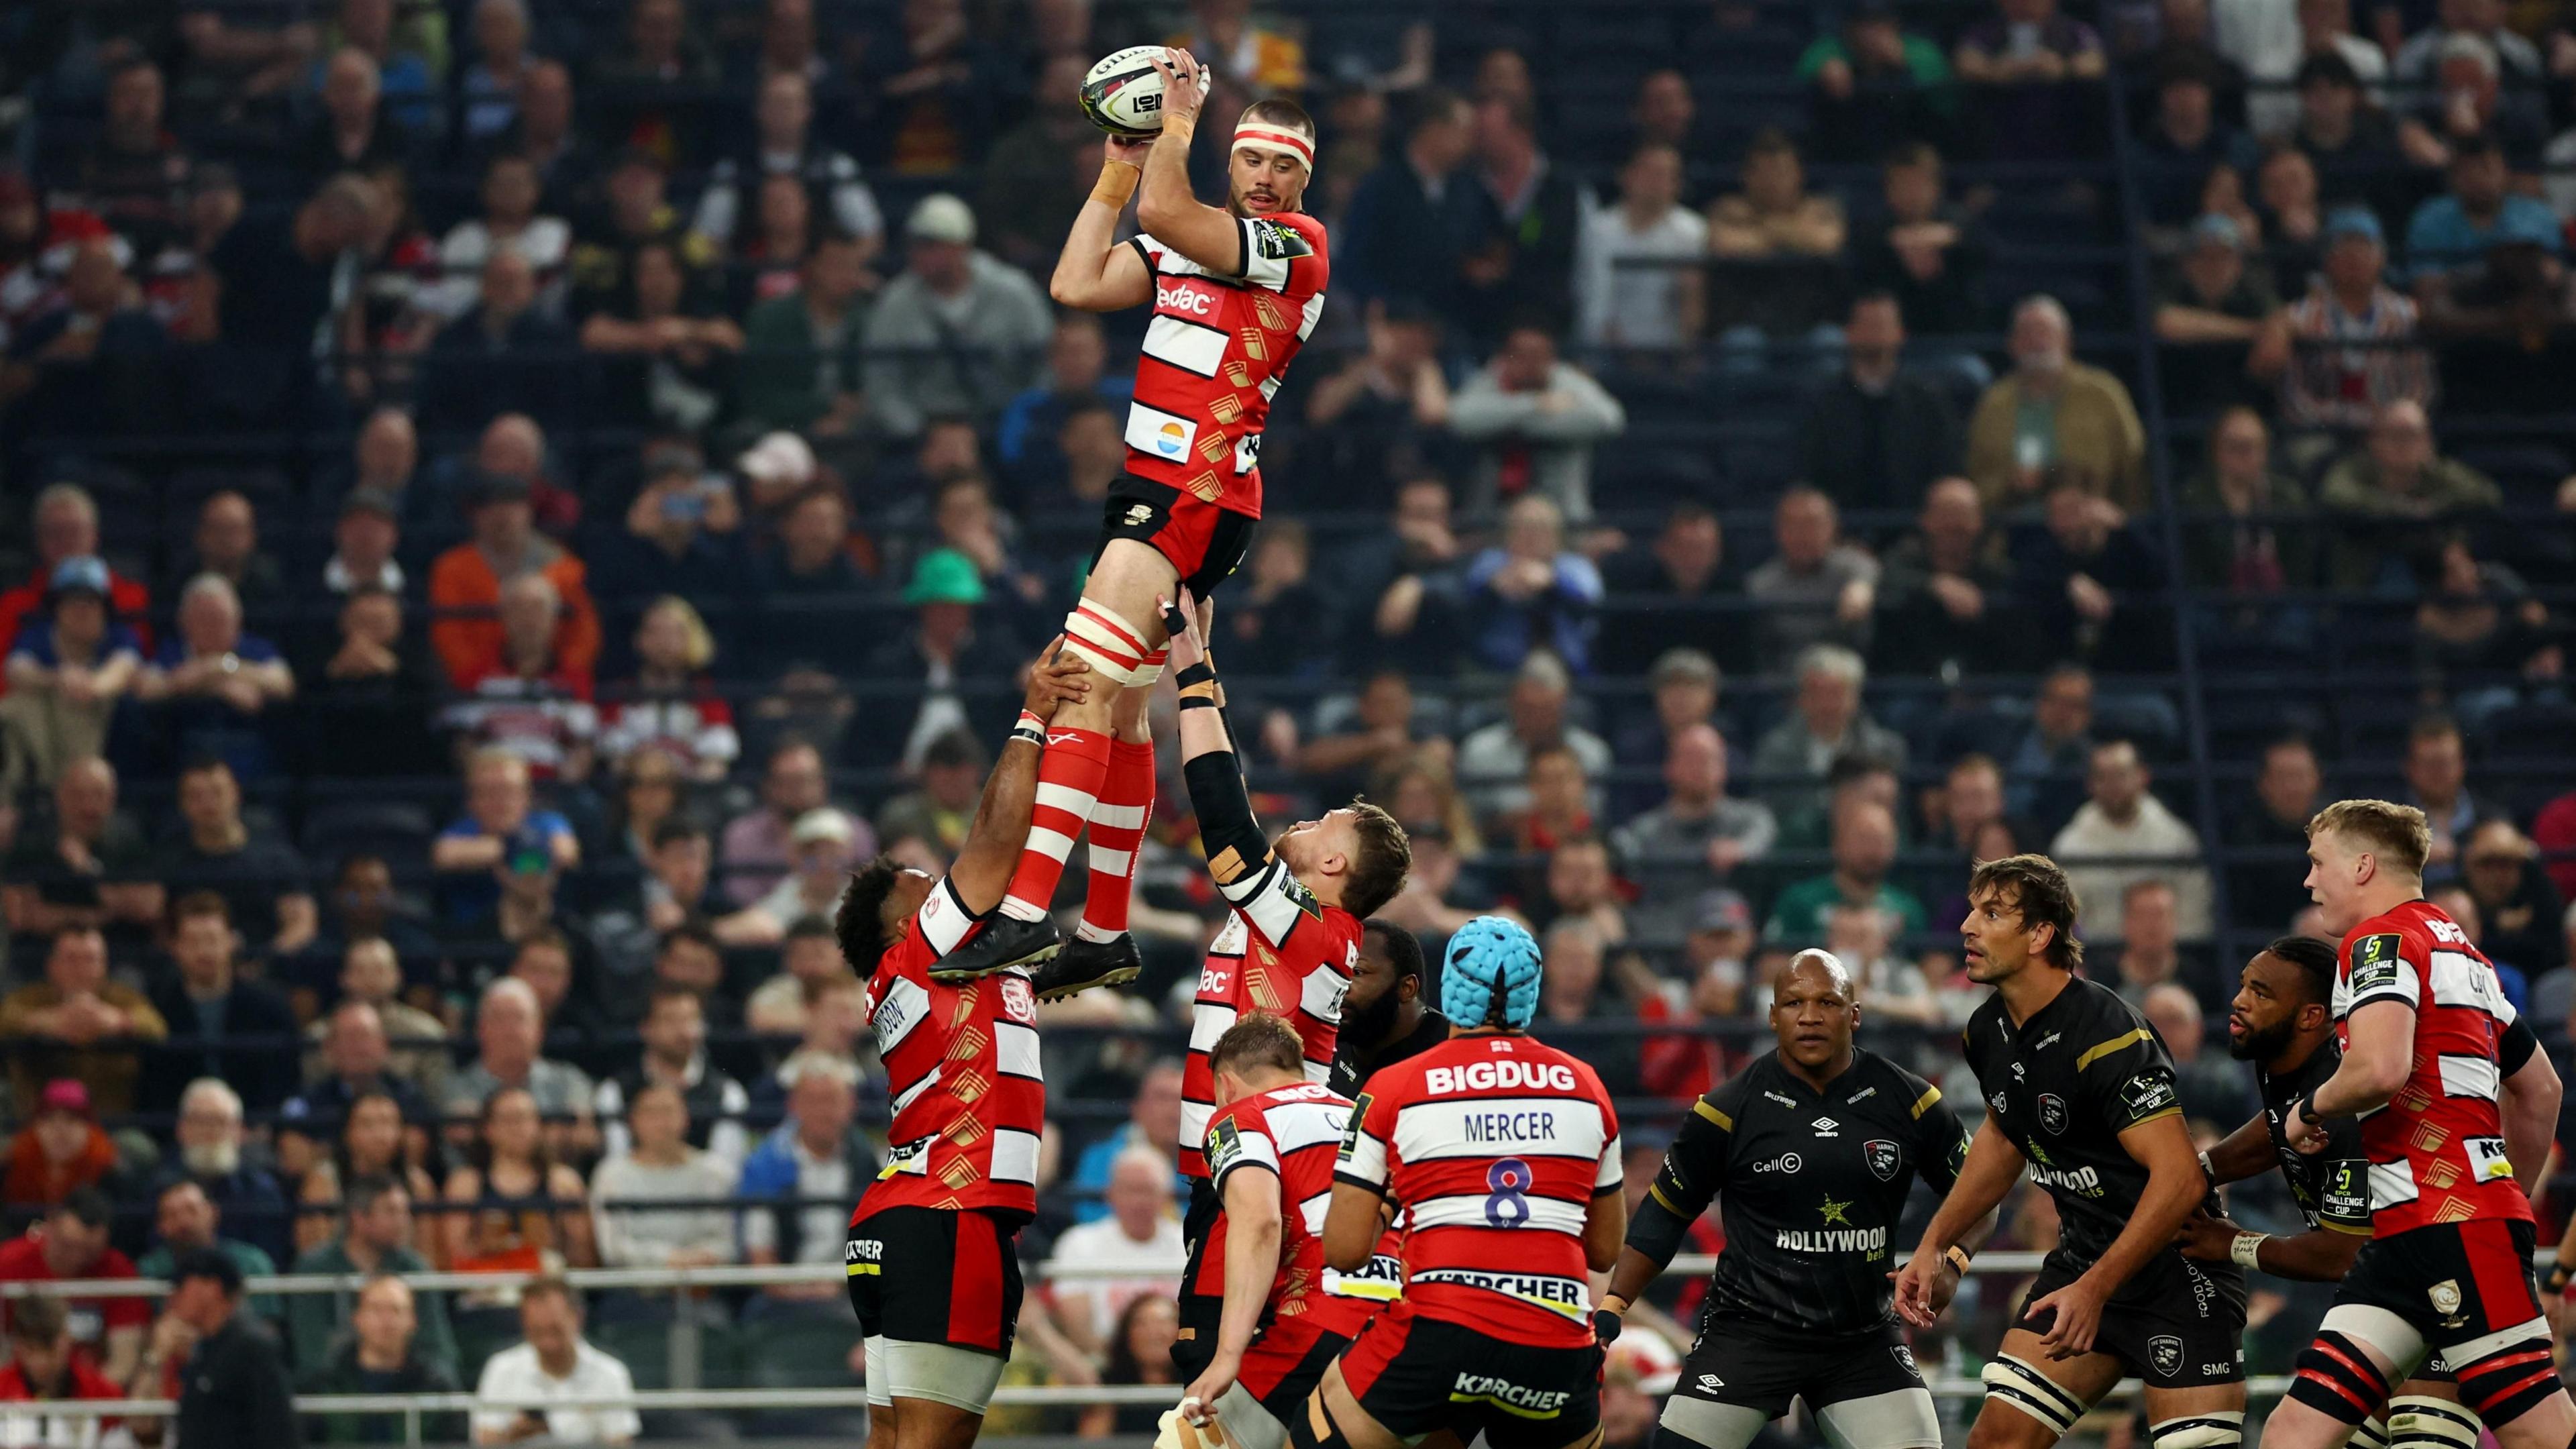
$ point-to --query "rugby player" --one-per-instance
(1288, 947)
(1384, 1021)
(2448, 1265)
(2283, 1022)
(1236, 290)
(932, 1272)
(1810, 1152)
(2080, 1088)
(1270, 1152)
(1505, 1155)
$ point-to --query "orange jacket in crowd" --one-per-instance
(465, 603)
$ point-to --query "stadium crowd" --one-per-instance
(508, 503)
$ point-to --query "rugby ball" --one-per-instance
(1123, 94)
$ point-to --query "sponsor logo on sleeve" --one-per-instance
(2377, 962)
(1224, 1146)
(1278, 241)
(2148, 1093)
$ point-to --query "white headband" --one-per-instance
(1256, 136)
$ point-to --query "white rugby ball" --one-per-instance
(1123, 94)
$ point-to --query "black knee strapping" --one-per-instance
(2512, 1381)
(2338, 1380)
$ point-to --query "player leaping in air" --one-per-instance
(1236, 290)
(2448, 1266)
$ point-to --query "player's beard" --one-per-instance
(1370, 1024)
(2259, 1046)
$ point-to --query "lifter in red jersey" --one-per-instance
(1505, 1155)
(2448, 1264)
(932, 1273)
(1270, 1150)
(1236, 290)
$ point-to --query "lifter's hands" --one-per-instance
(2078, 1316)
(2207, 1237)
(1056, 680)
(1186, 622)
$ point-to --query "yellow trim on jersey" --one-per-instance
(1924, 1103)
(2155, 1117)
(2358, 1231)
(1703, 1108)
(864, 1269)
(1656, 1191)
(2103, 1049)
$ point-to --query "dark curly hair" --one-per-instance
(859, 921)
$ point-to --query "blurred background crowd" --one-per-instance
(507, 501)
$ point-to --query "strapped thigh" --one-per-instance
(1897, 1419)
(1707, 1424)
(2034, 1394)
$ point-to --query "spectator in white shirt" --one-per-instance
(1140, 1234)
(661, 1167)
(2134, 835)
(1637, 281)
(511, 192)
(553, 1364)
(825, 844)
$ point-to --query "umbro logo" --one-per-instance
(1711, 1382)
(1826, 1126)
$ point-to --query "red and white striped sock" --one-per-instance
(1070, 774)
(1117, 830)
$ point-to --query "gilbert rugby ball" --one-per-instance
(1123, 94)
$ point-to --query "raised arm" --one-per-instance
(1001, 828)
(1095, 272)
(1208, 235)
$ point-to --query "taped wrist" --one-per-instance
(1030, 728)
(1117, 182)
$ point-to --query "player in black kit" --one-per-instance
(1810, 1152)
(2282, 1021)
(2080, 1087)
(1383, 1017)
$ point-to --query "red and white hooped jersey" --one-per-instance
(1215, 353)
(1296, 1132)
(1299, 975)
(1496, 1145)
(962, 1066)
(2437, 1149)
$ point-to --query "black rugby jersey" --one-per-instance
(2332, 1187)
(1349, 1074)
(2063, 1086)
(1809, 1185)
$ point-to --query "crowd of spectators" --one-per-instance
(624, 455)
